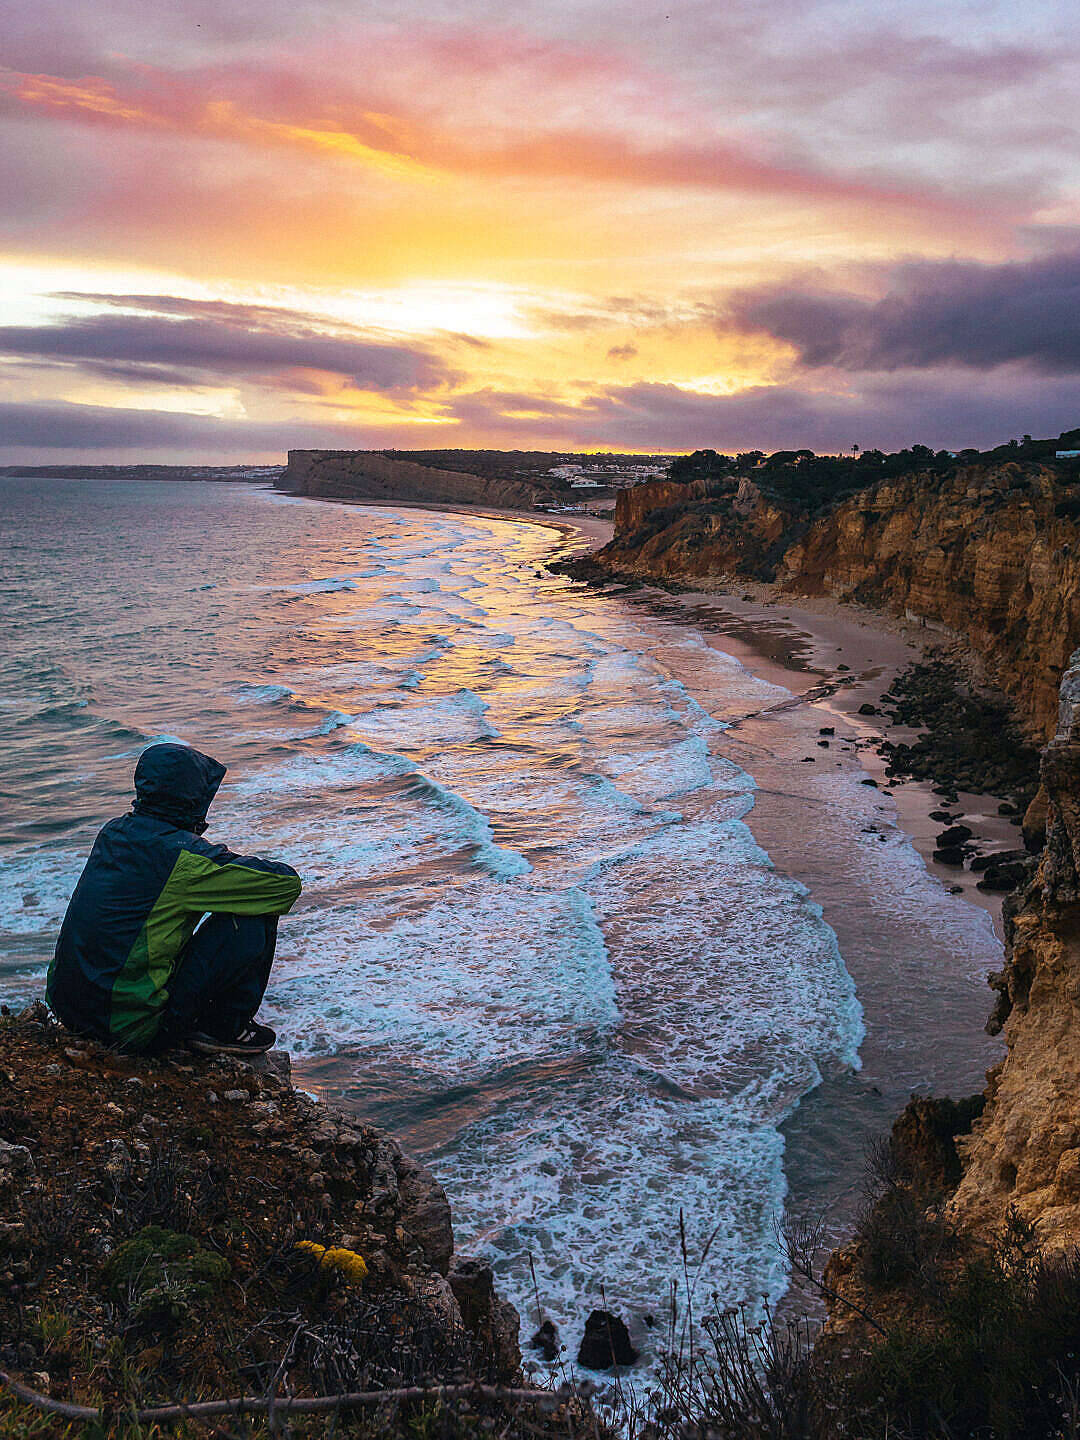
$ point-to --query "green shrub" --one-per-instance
(162, 1275)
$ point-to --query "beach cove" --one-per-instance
(684, 916)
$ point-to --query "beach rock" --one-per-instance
(1003, 877)
(950, 855)
(942, 817)
(827, 730)
(867, 709)
(955, 835)
(546, 1340)
(824, 744)
(999, 857)
(923, 1140)
(869, 780)
(606, 1342)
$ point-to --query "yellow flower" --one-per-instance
(345, 1262)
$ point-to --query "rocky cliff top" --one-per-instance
(175, 1228)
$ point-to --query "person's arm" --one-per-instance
(213, 879)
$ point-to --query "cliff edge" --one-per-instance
(180, 1230)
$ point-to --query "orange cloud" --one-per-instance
(404, 148)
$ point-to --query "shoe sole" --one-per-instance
(206, 1047)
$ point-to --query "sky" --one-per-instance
(231, 227)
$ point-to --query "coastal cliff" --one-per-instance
(1023, 1154)
(372, 475)
(988, 553)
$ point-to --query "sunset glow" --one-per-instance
(231, 229)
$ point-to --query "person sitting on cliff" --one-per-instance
(130, 967)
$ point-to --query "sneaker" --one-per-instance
(254, 1039)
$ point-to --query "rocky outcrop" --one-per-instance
(1024, 1152)
(279, 1208)
(988, 553)
(372, 475)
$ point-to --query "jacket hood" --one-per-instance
(176, 783)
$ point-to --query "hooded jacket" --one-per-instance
(148, 882)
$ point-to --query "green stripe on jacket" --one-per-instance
(197, 885)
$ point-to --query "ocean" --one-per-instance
(540, 939)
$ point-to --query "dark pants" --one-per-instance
(220, 978)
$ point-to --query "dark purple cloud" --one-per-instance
(942, 409)
(935, 313)
(216, 339)
(945, 410)
(36, 432)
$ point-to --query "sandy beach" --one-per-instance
(834, 658)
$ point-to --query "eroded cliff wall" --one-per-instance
(1025, 1149)
(992, 553)
(371, 475)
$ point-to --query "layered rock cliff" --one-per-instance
(371, 475)
(990, 553)
(1024, 1152)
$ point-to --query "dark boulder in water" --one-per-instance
(546, 1340)
(606, 1342)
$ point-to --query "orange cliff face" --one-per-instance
(989, 553)
(1024, 1152)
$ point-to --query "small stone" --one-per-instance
(15, 1159)
(116, 1159)
(237, 1095)
(868, 709)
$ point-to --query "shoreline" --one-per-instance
(835, 658)
(918, 954)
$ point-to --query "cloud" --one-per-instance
(270, 111)
(934, 313)
(102, 432)
(942, 409)
(622, 352)
(212, 338)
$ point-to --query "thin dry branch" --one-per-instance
(294, 1404)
